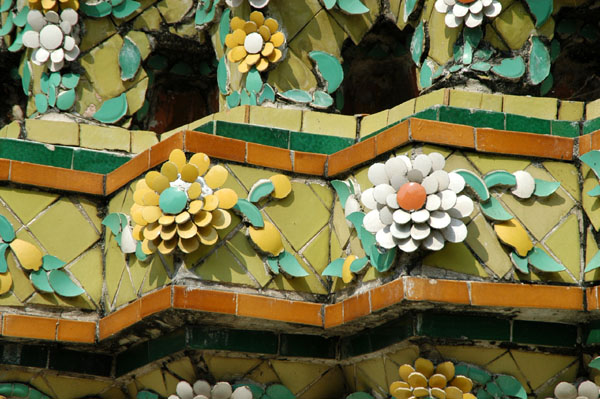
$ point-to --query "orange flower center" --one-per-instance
(411, 196)
(465, 1)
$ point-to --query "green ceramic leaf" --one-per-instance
(3, 264)
(426, 75)
(278, 391)
(594, 263)
(493, 209)
(511, 386)
(545, 188)
(39, 279)
(250, 212)
(97, 10)
(51, 94)
(417, 43)
(253, 80)
(252, 98)
(467, 55)
(475, 183)
(70, 80)
(41, 103)
(139, 253)
(6, 5)
(224, 25)
(352, 6)
(146, 395)
(26, 78)
(359, 395)
(21, 18)
(510, 68)
(65, 100)
(233, 100)
(343, 191)
(321, 100)
(290, 265)
(539, 60)
(18, 43)
(8, 25)
(329, 68)
(493, 389)
(273, 264)
(409, 8)
(50, 262)
(267, 94)
(592, 159)
(172, 201)
(245, 97)
(500, 178)
(539, 259)
(359, 264)
(116, 2)
(456, 68)
(129, 59)
(595, 364)
(547, 84)
(554, 49)
(112, 110)
(541, 10)
(222, 76)
(205, 14)
(477, 374)
(335, 268)
(472, 37)
(296, 95)
(125, 9)
(54, 79)
(113, 222)
(519, 262)
(484, 54)
(7, 233)
(595, 192)
(62, 284)
(382, 261)
(329, 4)
(260, 190)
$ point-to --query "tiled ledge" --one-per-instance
(405, 290)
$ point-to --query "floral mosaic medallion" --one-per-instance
(224, 390)
(471, 12)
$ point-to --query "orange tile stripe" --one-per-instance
(411, 130)
(403, 290)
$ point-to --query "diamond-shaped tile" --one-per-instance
(317, 252)
(482, 239)
(487, 163)
(88, 271)
(26, 204)
(457, 258)
(372, 373)
(223, 267)
(568, 176)
(229, 368)
(591, 205)
(565, 243)
(540, 367)
(157, 274)
(249, 176)
(506, 365)
(296, 375)
(240, 246)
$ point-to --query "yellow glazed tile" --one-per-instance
(356, 245)
(170, 382)
(199, 122)
(153, 380)
(373, 123)
(506, 365)
(229, 368)
(138, 271)
(374, 370)
(26, 204)
(126, 293)
(489, 163)
(340, 224)
(547, 389)
(11, 131)
(16, 376)
(322, 33)
(292, 73)
(547, 29)
(565, 244)
(469, 354)
(290, 119)
(241, 248)
(157, 275)
(492, 36)
(247, 176)
(406, 355)
(57, 228)
(141, 140)
(539, 367)
(97, 30)
(91, 210)
(357, 25)
(183, 369)
(294, 16)
(465, 99)
(484, 242)
(535, 275)
(590, 204)
(537, 107)
(41, 385)
(102, 68)
(174, 10)
(329, 124)
(115, 266)
(571, 110)
(104, 138)
(350, 376)
(88, 271)
(53, 300)
(148, 20)
(441, 38)
(568, 176)
(514, 25)
(263, 374)
(592, 110)
(371, 274)
(331, 385)
(235, 115)
(590, 252)
(297, 375)
(311, 283)
(317, 251)
(401, 111)
(437, 97)
(72, 388)
(428, 149)
(455, 257)
(222, 266)
(491, 102)
(324, 192)
(22, 287)
(66, 133)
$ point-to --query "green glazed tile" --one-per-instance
(97, 162)
(429, 114)
(565, 128)
(462, 326)
(520, 123)
(132, 358)
(591, 126)
(233, 340)
(307, 346)
(80, 362)
(529, 332)
(593, 333)
(318, 143)
(254, 134)
(475, 118)
(206, 128)
(19, 150)
(167, 345)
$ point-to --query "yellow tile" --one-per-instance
(22, 287)
(539, 367)
(292, 73)
(235, 115)
(465, 99)
(590, 252)
(99, 29)
(506, 365)
(104, 138)
(590, 204)
(438, 97)
(157, 275)
(565, 244)
(154, 381)
(11, 131)
(141, 140)
(371, 274)
(428, 149)
(405, 355)
(547, 29)
(71, 388)
(335, 250)
(91, 209)
(247, 176)
(222, 266)
(357, 25)
(568, 176)
(311, 283)
(455, 257)
(373, 123)
(289, 119)
(41, 385)
(16, 376)
(592, 110)
(199, 122)
(115, 266)
(340, 224)
(356, 247)
(350, 376)
(138, 270)
(229, 368)
(297, 375)
(113, 393)
(241, 248)
(183, 369)
(329, 124)
(170, 382)
(537, 107)
(324, 192)
(391, 371)
(331, 385)
(322, 33)
(491, 102)
(371, 373)
(54, 300)
(59, 225)
(483, 241)
(571, 110)
(514, 25)
(547, 389)
(88, 271)
(5, 211)
(401, 111)
(317, 251)
(26, 204)
(126, 293)
(362, 177)
(441, 38)
(263, 374)
(489, 163)
(66, 133)
(469, 354)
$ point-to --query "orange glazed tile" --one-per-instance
(334, 315)
(4, 169)
(30, 327)
(120, 319)
(215, 146)
(595, 140)
(585, 144)
(356, 306)
(127, 172)
(271, 157)
(518, 143)
(279, 309)
(391, 138)
(76, 331)
(155, 302)
(435, 290)
(309, 163)
(205, 300)
(351, 156)
(52, 177)
(526, 296)
(442, 133)
(387, 295)
(591, 295)
(160, 152)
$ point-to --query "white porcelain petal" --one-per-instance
(385, 215)
(202, 387)
(460, 10)
(57, 55)
(450, 2)
(401, 217)
(53, 17)
(368, 199)
(259, 3)
(184, 390)
(66, 27)
(69, 15)
(72, 55)
(394, 167)
(448, 198)
(415, 175)
(565, 390)
(422, 163)
(456, 183)
(233, 3)
(433, 203)
(437, 161)
(36, 20)
(40, 55)
(434, 242)
(442, 178)
(406, 161)
(525, 184)
(463, 207)
(486, 2)
(472, 20)
(493, 10)
(441, 6)
(408, 245)
(456, 231)
(372, 222)
(476, 7)
(588, 390)
(420, 216)
(381, 192)
(400, 231)
(51, 37)
(420, 231)
(439, 219)
(398, 180)
(452, 21)
(392, 201)
(69, 43)
(351, 206)
(56, 66)
(385, 238)
(377, 174)
(430, 183)
(31, 39)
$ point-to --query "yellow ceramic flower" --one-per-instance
(181, 206)
(254, 42)
(423, 380)
(53, 5)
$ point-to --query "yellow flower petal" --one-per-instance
(166, 220)
(48, 4)
(252, 59)
(446, 369)
(152, 231)
(138, 195)
(189, 173)
(347, 275)
(151, 213)
(257, 17)
(267, 238)
(208, 235)
(195, 206)
(178, 158)
(148, 247)
(194, 191)
(272, 25)
(268, 49)
(74, 4)
(236, 23)
(5, 282)
(168, 232)
(417, 379)
(402, 393)
(420, 392)
(438, 381)
(243, 67)
(157, 181)
(264, 32)
(236, 54)
(275, 55)
(227, 198)
(221, 219)
(277, 39)
(151, 198)
(424, 366)
(262, 65)
(236, 38)
(250, 27)
(282, 185)
(183, 217)
(167, 247)
(169, 169)
(438, 393)
(29, 256)
(203, 218)
(202, 161)
(405, 370)
(463, 383)
(137, 215)
(453, 393)
(469, 395)
(211, 202)
(216, 176)
(189, 245)
(141, 184)
(398, 384)
(512, 233)
(187, 230)
(137, 232)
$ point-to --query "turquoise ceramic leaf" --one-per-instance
(342, 190)
(541, 10)
(129, 59)
(595, 192)
(472, 37)
(6, 5)
(62, 284)
(467, 56)
(18, 43)
(511, 386)
(359, 264)
(417, 43)
(296, 95)
(595, 364)
(481, 66)
(592, 159)
(329, 4)
(267, 94)
(289, 264)
(352, 6)
(205, 15)
(335, 268)
(539, 259)
(455, 68)
(7, 233)
(329, 68)
(224, 25)
(39, 279)
(21, 18)
(65, 100)
(70, 80)
(26, 78)
(500, 178)
(112, 110)
(253, 80)
(426, 75)
(245, 97)
(125, 9)
(539, 61)
(233, 100)
(250, 212)
(594, 263)
(545, 188)
(41, 103)
(475, 183)
(279, 392)
(45, 83)
(146, 395)
(519, 262)
(260, 190)
(367, 240)
(493, 209)
(510, 68)
(252, 98)
(321, 100)
(222, 76)
(116, 2)
(273, 264)
(359, 395)
(8, 25)
(356, 218)
(54, 79)
(113, 222)
(97, 10)
(139, 253)
(51, 94)
(382, 261)
(50, 262)
(3, 265)
(409, 8)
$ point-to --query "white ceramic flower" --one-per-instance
(253, 3)
(53, 38)
(415, 203)
(202, 390)
(469, 11)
